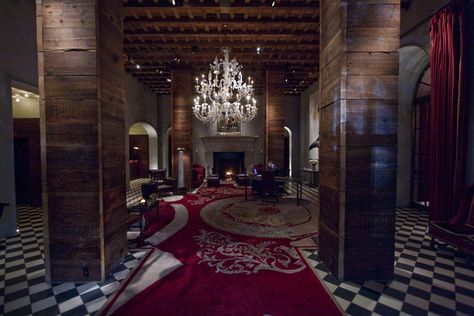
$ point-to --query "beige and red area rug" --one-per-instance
(215, 253)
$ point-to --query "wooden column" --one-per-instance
(358, 153)
(81, 83)
(181, 120)
(275, 116)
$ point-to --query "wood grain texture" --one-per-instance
(274, 116)
(82, 120)
(358, 153)
(181, 126)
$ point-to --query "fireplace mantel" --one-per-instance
(229, 143)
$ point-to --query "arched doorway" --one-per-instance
(413, 63)
(143, 150)
(420, 134)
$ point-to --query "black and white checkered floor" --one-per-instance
(426, 281)
(23, 290)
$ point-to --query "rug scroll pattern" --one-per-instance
(231, 257)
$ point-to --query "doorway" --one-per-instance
(22, 170)
(421, 137)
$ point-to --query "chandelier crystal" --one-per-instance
(224, 94)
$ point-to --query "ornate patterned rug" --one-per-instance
(252, 218)
(199, 269)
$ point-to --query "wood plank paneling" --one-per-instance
(181, 126)
(274, 116)
(358, 153)
(82, 118)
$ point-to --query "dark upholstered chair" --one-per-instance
(198, 175)
(257, 169)
(459, 231)
(157, 174)
(159, 183)
(269, 189)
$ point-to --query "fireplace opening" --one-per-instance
(228, 164)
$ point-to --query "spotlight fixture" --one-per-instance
(26, 94)
(168, 79)
(259, 50)
(137, 66)
(173, 2)
(273, 3)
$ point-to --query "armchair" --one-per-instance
(198, 175)
(459, 231)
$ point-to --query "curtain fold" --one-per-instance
(448, 113)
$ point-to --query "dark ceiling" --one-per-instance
(160, 35)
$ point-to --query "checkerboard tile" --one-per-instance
(426, 281)
(23, 289)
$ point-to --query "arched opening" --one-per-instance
(420, 134)
(143, 150)
(413, 63)
(288, 161)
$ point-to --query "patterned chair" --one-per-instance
(459, 231)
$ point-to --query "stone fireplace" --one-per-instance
(228, 164)
(243, 145)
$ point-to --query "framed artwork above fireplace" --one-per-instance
(228, 127)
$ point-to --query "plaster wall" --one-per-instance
(164, 123)
(308, 126)
(141, 105)
(17, 63)
(254, 127)
(292, 121)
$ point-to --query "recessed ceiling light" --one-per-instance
(17, 99)
(26, 94)
(138, 66)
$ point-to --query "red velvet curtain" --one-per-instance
(448, 113)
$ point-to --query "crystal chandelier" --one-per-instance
(223, 94)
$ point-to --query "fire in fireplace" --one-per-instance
(225, 162)
(229, 175)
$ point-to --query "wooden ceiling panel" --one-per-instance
(161, 34)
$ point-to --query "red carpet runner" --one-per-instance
(228, 274)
